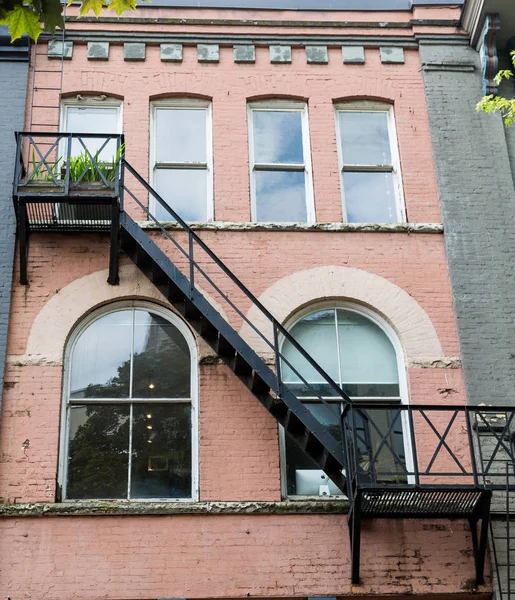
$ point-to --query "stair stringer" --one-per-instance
(299, 423)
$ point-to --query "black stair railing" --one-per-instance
(203, 270)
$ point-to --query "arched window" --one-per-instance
(130, 407)
(356, 352)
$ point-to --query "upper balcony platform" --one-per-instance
(67, 182)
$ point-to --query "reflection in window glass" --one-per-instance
(180, 135)
(93, 119)
(364, 138)
(98, 451)
(369, 197)
(182, 162)
(369, 164)
(161, 451)
(101, 358)
(280, 177)
(278, 137)
(358, 355)
(185, 190)
(161, 359)
(281, 196)
(137, 445)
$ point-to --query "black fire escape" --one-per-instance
(392, 461)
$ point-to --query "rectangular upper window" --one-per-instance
(280, 162)
(369, 163)
(182, 159)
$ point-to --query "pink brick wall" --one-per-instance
(139, 558)
(233, 556)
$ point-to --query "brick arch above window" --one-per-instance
(52, 326)
(408, 319)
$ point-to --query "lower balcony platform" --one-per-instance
(421, 503)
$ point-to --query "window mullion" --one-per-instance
(129, 462)
(338, 357)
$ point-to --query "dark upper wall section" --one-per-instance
(306, 4)
(14, 64)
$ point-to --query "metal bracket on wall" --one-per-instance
(487, 46)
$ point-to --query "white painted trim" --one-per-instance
(184, 104)
(401, 370)
(91, 102)
(283, 106)
(369, 106)
(193, 401)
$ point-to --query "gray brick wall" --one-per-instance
(13, 86)
(477, 197)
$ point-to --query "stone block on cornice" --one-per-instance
(171, 52)
(208, 52)
(244, 53)
(353, 55)
(317, 55)
(134, 51)
(98, 50)
(56, 49)
(280, 54)
(392, 55)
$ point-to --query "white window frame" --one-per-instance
(91, 102)
(183, 104)
(193, 400)
(306, 168)
(394, 168)
(403, 386)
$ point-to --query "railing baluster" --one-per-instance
(413, 445)
(192, 264)
(278, 366)
(471, 446)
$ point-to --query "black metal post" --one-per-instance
(114, 275)
(23, 230)
(192, 264)
(355, 537)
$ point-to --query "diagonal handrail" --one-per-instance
(276, 325)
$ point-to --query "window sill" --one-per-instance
(121, 508)
(334, 227)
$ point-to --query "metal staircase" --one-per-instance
(182, 291)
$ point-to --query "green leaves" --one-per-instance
(22, 19)
(31, 17)
(505, 106)
(121, 6)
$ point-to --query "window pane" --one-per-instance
(281, 196)
(364, 138)
(101, 358)
(185, 190)
(304, 478)
(317, 335)
(370, 198)
(161, 451)
(98, 452)
(367, 357)
(181, 135)
(278, 137)
(93, 120)
(161, 359)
